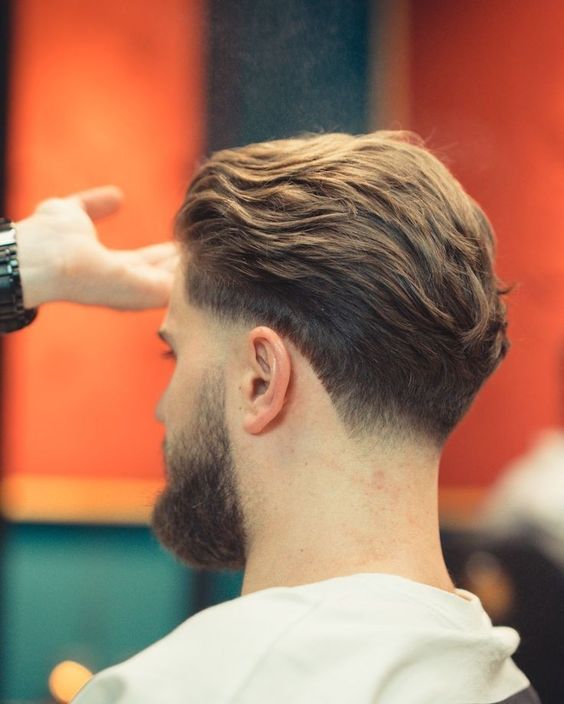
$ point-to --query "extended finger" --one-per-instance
(162, 256)
(98, 202)
(157, 253)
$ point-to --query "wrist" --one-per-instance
(40, 268)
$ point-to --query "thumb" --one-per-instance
(98, 202)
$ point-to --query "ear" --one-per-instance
(267, 379)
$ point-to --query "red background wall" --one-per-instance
(487, 89)
(102, 92)
(107, 92)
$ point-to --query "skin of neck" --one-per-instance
(319, 503)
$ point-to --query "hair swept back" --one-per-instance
(369, 256)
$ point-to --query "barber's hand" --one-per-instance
(61, 258)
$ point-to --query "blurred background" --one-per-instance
(136, 94)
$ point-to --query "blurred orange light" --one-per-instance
(66, 679)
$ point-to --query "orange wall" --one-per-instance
(487, 88)
(102, 92)
(114, 92)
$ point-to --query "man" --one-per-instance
(333, 315)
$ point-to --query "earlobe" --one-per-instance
(268, 379)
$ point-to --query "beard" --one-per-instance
(198, 516)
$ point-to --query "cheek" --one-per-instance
(176, 403)
(169, 406)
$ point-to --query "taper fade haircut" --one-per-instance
(367, 254)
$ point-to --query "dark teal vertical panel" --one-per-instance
(92, 594)
(277, 69)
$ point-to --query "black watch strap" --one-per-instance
(13, 315)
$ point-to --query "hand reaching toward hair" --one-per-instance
(62, 259)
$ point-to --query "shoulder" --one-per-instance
(318, 642)
(228, 638)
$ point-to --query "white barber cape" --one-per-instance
(362, 639)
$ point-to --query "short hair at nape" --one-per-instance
(368, 255)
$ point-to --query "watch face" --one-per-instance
(7, 237)
(7, 232)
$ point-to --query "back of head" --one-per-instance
(368, 255)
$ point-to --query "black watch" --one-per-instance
(13, 315)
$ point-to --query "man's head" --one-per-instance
(364, 257)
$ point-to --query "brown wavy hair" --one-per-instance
(369, 256)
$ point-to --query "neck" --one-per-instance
(348, 520)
